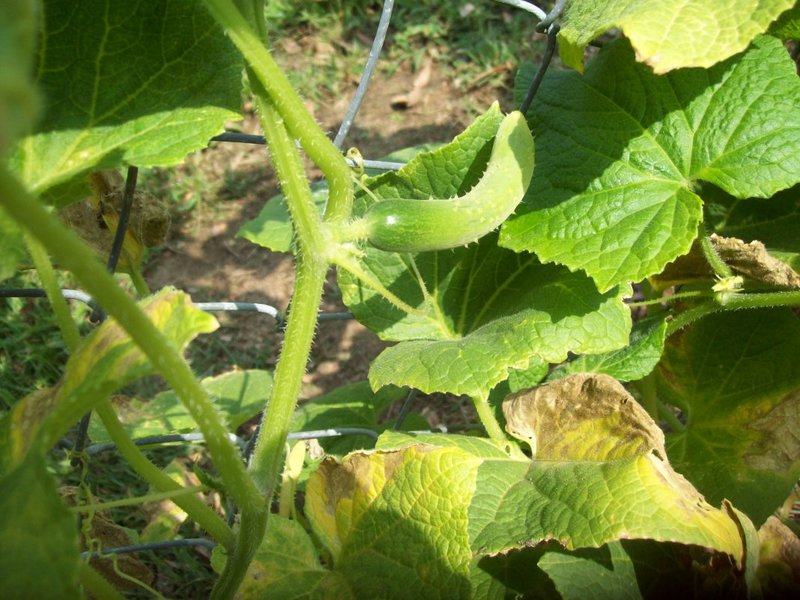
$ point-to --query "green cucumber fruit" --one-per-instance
(404, 225)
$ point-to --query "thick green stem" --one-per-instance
(69, 330)
(299, 122)
(70, 252)
(192, 505)
(267, 458)
(488, 420)
(734, 302)
(97, 585)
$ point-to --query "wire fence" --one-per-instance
(546, 23)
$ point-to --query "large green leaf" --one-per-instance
(405, 523)
(140, 83)
(620, 152)
(735, 377)
(239, 396)
(40, 538)
(471, 314)
(105, 361)
(669, 35)
(18, 99)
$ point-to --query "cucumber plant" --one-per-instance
(620, 455)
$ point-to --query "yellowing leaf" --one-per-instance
(669, 35)
(105, 361)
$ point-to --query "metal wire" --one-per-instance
(550, 49)
(527, 6)
(187, 438)
(149, 546)
(369, 69)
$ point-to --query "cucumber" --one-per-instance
(404, 225)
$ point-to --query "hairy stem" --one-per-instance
(267, 459)
(47, 275)
(719, 266)
(299, 122)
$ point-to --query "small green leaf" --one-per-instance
(787, 27)
(272, 228)
(105, 361)
(40, 539)
(354, 405)
(239, 396)
(124, 68)
(668, 35)
(620, 152)
(735, 377)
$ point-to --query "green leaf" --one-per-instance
(286, 565)
(239, 396)
(630, 363)
(354, 405)
(632, 569)
(735, 377)
(272, 228)
(410, 522)
(787, 27)
(105, 361)
(669, 35)
(620, 152)
(40, 539)
(18, 98)
(481, 312)
(146, 83)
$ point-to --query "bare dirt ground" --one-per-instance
(204, 257)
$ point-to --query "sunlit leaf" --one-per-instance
(621, 152)
(669, 35)
(126, 83)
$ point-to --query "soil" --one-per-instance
(204, 257)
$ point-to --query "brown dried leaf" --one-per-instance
(582, 417)
(750, 260)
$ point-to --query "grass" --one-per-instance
(469, 39)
